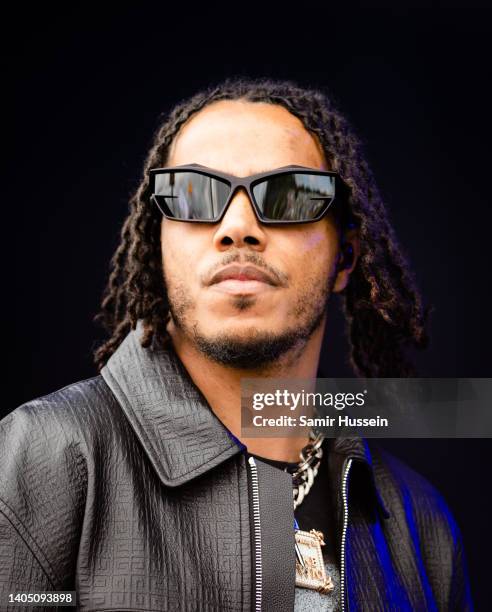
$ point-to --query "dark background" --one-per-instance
(84, 89)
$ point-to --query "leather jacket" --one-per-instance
(126, 488)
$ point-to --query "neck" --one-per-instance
(221, 387)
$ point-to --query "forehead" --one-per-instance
(243, 138)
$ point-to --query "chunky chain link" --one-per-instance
(307, 468)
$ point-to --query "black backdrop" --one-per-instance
(84, 90)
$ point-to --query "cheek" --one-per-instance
(176, 249)
(316, 241)
(171, 266)
(320, 237)
(315, 250)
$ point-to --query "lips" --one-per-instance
(242, 273)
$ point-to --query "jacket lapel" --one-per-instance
(179, 432)
(361, 487)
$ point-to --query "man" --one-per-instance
(136, 487)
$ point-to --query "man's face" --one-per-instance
(248, 323)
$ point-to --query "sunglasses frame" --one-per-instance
(247, 182)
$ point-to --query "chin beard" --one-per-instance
(255, 352)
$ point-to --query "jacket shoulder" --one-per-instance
(69, 401)
(67, 414)
(52, 435)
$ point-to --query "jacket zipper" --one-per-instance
(257, 533)
(343, 590)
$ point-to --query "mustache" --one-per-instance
(281, 278)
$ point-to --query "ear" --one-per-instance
(347, 259)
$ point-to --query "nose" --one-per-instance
(239, 225)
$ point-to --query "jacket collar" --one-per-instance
(173, 421)
(179, 432)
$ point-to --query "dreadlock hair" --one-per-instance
(381, 304)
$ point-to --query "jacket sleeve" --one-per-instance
(460, 594)
(40, 499)
(443, 550)
(430, 530)
(20, 570)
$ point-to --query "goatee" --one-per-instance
(259, 350)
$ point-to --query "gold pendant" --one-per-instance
(310, 567)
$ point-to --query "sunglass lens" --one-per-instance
(190, 195)
(294, 196)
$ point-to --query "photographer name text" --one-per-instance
(303, 421)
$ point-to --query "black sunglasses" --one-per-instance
(291, 194)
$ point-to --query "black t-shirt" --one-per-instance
(315, 511)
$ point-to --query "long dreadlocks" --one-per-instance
(381, 304)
